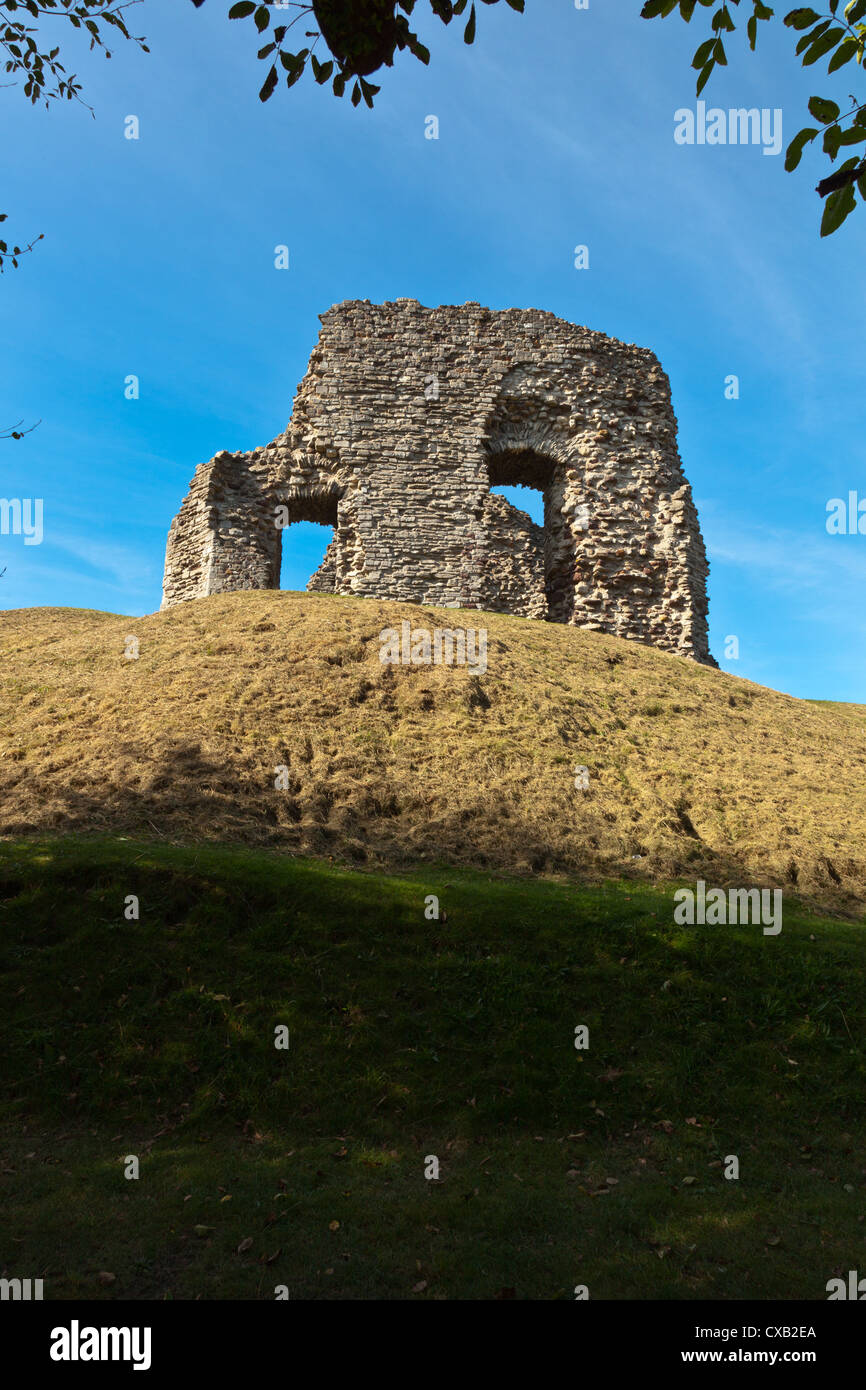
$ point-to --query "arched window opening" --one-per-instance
(533, 483)
(308, 525)
(525, 499)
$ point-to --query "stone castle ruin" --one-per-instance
(405, 420)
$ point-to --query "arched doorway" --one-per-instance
(540, 484)
(308, 523)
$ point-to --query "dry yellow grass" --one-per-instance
(693, 772)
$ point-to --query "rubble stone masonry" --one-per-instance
(407, 417)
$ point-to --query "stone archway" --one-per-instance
(553, 558)
(319, 504)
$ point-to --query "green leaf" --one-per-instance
(807, 39)
(823, 45)
(294, 63)
(469, 31)
(241, 10)
(369, 92)
(795, 150)
(269, 83)
(703, 53)
(823, 110)
(263, 18)
(321, 71)
(832, 140)
(801, 18)
(837, 208)
(704, 76)
(847, 50)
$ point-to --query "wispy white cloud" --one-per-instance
(123, 568)
(826, 574)
(792, 558)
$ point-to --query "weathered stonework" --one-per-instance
(407, 417)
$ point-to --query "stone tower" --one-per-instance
(407, 417)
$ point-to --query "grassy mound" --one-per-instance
(411, 1038)
(692, 772)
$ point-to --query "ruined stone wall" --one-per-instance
(406, 418)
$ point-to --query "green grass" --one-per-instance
(411, 1037)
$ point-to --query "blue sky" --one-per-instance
(555, 130)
